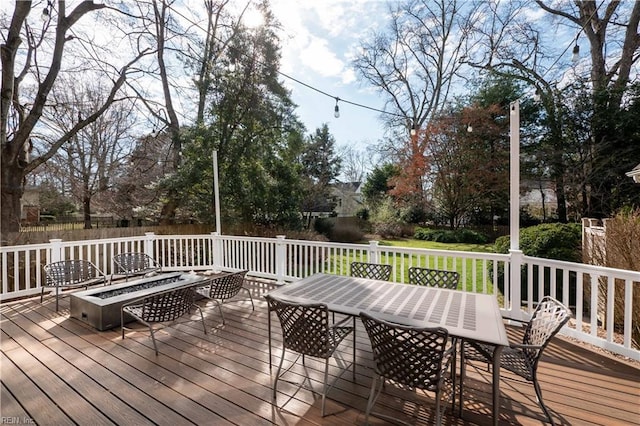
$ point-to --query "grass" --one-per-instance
(411, 243)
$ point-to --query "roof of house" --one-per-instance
(635, 173)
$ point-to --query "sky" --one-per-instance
(318, 42)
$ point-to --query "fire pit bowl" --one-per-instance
(100, 307)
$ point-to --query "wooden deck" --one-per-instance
(56, 371)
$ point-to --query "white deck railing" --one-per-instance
(600, 318)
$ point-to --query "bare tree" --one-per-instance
(414, 64)
(92, 160)
(511, 44)
(29, 73)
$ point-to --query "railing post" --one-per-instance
(373, 252)
(515, 283)
(217, 252)
(281, 258)
(56, 250)
(149, 238)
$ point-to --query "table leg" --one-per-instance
(269, 327)
(497, 352)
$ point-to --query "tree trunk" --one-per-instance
(12, 190)
(86, 210)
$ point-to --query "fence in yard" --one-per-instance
(576, 285)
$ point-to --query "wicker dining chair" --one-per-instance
(225, 287)
(375, 271)
(162, 307)
(522, 358)
(71, 274)
(132, 264)
(433, 277)
(306, 331)
(413, 357)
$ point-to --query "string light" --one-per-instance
(46, 12)
(336, 110)
(575, 56)
(469, 128)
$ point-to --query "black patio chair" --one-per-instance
(162, 307)
(306, 331)
(71, 274)
(134, 263)
(225, 287)
(411, 357)
(433, 278)
(522, 358)
(375, 271)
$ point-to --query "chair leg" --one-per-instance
(438, 408)
(250, 298)
(324, 385)
(204, 326)
(353, 365)
(275, 381)
(462, 376)
(373, 396)
(153, 338)
(536, 386)
(220, 309)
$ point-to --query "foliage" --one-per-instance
(323, 226)
(320, 166)
(466, 236)
(548, 240)
(386, 220)
(363, 214)
(379, 183)
(346, 233)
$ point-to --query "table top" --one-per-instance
(466, 315)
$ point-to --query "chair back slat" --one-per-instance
(226, 286)
(411, 356)
(305, 327)
(548, 318)
(134, 263)
(164, 306)
(71, 272)
(433, 278)
(375, 271)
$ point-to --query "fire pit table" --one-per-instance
(100, 307)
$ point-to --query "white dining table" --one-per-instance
(465, 315)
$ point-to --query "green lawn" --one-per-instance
(411, 243)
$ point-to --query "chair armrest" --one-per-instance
(523, 346)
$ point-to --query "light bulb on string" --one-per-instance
(575, 56)
(46, 12)
(469, 128)
(336, 109)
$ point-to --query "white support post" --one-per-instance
(217, 252)
(149, 238)
(281, 258)
(514, 210)
(216, 192)
(56, 250)
(373, 252)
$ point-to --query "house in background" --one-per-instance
(30, 205)
(539, 198)
(348, 198)
(635, 174)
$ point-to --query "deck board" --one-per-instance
(58, 370)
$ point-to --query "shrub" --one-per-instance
(323, 226)
(548, 240)
(346, 234)
(363, 214)
(466, 236)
